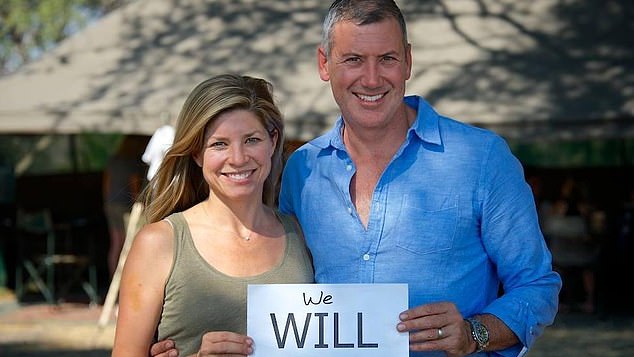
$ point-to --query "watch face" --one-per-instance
(482, 333)
(479, 333)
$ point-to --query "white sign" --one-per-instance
(327, 319)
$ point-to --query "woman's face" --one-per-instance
(236, 156)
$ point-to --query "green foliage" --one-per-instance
(30, 27)
(51, 154)
(580, 153)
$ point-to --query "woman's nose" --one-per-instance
(238, 155)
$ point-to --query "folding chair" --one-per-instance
(39, 256)
(36, 247)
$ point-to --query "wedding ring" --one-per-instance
(439, 333)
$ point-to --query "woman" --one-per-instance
(213, 228)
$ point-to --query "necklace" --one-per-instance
(247, 237)
(235, 233)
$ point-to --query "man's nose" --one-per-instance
(371, 75)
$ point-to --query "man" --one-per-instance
(396, 193)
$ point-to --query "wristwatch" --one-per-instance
(479, 333)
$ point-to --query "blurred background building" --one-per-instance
(554, 78)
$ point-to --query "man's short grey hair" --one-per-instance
(360, 12)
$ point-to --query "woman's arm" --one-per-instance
(142, 288)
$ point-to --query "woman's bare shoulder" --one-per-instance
(157, 235)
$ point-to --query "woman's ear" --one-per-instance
(198, 157)
(274, 135)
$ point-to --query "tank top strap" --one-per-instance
(181, 233)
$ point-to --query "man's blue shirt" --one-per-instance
(451, 216)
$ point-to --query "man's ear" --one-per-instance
(408, 58)
(322, 64)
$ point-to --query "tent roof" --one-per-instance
(527, 69)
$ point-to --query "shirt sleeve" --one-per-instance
(513, 240)
(285, 196)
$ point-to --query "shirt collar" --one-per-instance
(425, 126)
(332, 137)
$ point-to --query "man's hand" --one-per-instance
(216, 343)
(224, 343)
(437, 327)
(165, 348)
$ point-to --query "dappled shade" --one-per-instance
(530, 70)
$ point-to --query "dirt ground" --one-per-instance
(61, 330)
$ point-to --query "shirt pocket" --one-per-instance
(428, 224)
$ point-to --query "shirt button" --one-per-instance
(349, 167)
(349, 210)
(366, 257)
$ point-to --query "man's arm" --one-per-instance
(512, 238)
(500, 336)
(441, 327)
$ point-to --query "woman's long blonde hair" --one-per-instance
(179, 183)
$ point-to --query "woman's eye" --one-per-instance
(253, 140)
(217, 145)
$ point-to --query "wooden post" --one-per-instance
(113, 291)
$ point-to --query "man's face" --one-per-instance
(367, 70)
